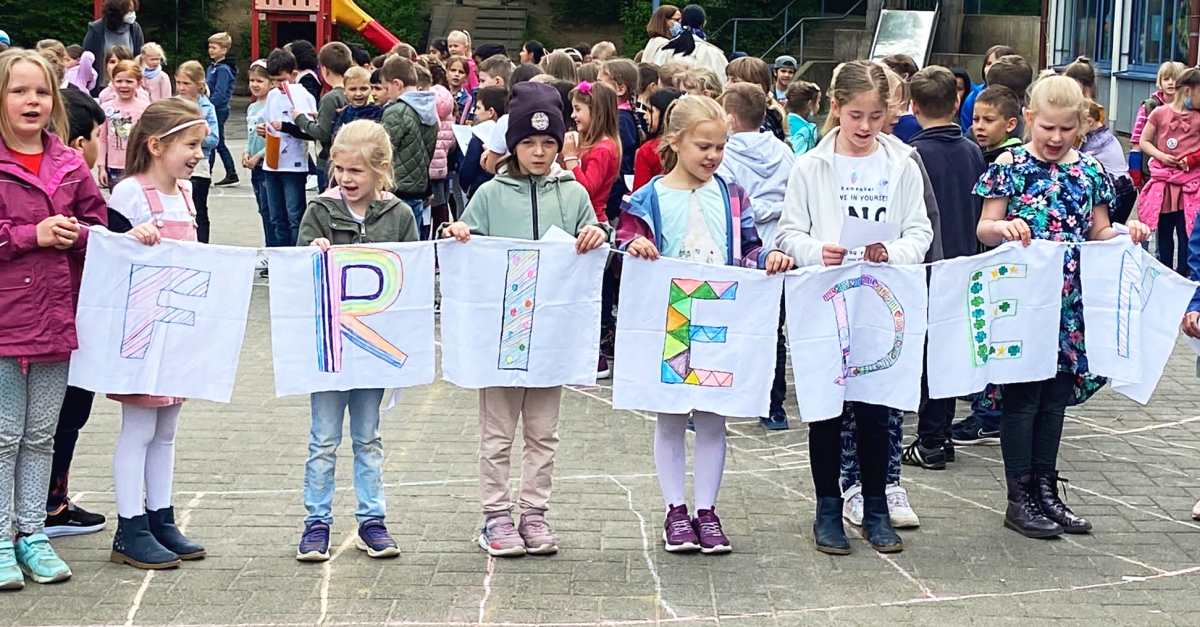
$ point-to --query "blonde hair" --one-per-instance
(702, 79)
(154, 49)
(1062, 92)
(604, 51)
(357, 74)
(195, 73)
(1169, 70)
(158, 118)
(369, 140)
(58, 113)
(854, 78)
(54, 46)
(682, 118)
(56, 64)
(221, 39)
(559, 65)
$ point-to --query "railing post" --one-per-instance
(735, 25)
(785, 27)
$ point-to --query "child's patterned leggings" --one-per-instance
(30, 397)
(145, 457)
(851, 474)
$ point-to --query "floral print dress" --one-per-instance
(1056, 201)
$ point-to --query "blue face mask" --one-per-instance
(676, 28)
(1187, 103)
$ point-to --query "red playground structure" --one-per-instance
(314, 20)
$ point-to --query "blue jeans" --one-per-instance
(258, 182)
(328, 410)
(114, 176)
(285, 203)
(222, 149)
(418, 208)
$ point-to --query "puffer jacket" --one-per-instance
(439, 168)
(412, 125)
(39, 286)
(387, 220)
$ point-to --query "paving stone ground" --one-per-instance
(1134, 471)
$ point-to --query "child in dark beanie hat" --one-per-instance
(534, 109)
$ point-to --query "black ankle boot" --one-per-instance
(135, 545)
(1024, 515)
(877, 526)
(162, 525)
(828, 532)
(1053, 507)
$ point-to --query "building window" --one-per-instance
(1090, 30)
(1159, 32)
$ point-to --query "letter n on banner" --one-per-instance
(681, 333)
(339, 311)
(1136, 286)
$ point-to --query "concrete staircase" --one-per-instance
(488, 21)
(825, 45)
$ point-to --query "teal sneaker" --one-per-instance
(10, 574)
(39, 561)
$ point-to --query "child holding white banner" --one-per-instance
(49, 195)
(524, 201)
(1076, 209)
(357, 211)
(165, 148)
(683, 215)
(855, 171)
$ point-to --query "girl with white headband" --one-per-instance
(156, 200)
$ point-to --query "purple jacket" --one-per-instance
(39, 286)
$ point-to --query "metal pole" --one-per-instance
(1115, 58)
(735, 24)
(653, 7)
(785, 26)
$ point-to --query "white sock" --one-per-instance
(670, 457)
(160, 459)
(129, 462)
(708, 458)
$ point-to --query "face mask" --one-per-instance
(1187, 103)
(131, 17)
(676, 28)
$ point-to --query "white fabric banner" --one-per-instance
(352, 317)
(994, 318)
(166, 320)
(1130, 325)
(520, 313)
(695, 337)
(853, 344)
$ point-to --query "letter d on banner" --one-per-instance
(339, 311)
(837, 296)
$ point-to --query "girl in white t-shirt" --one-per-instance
(155, 197)
(855, 171)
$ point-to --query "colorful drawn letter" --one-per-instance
(339, 313)
(1136, 285)
(983, 310)
(516, 329)
(837, 295)
(677, 351)
(144, 307)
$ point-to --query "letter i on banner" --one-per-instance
(983, 310)
(677, 349)
(338, 310)
(519, 293)
(143, 310)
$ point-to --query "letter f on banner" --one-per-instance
(338, 311)
(677, 348)
(983, 309)
(1134, 293)
(149, 286)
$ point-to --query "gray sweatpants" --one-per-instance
(29, 405)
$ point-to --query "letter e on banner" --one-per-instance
(677, 348)
(983, 309)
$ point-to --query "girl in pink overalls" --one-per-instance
(155, 199)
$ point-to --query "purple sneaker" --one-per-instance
(712, 538)
(678, 534)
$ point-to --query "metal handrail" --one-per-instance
(736, 20)
(802, 21)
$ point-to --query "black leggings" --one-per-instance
(825, 451)
(76, 407)
(1031, 424)
(1171, 225)
(200, 199)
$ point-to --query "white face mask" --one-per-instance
(131, 17)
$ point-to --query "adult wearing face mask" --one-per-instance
(117, 26)
(664, 25)
(689, 45)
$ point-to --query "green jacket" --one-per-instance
(526, 207)
(388, 220)
(412, 125)
(321, 129)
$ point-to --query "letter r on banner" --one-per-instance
(339, 311)
(149, 287)
(983, 309)
(837, 295)
(1134, 292)
(677, 348)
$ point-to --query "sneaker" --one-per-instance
(603, 371)
(11, 577)
(373, 537)
(539, 539)
(927, 458)
(73, 520)
(899, 511)
(314, 544)
(776, 420)
(678, 534)
(608, 343)
(852, 505)
(971, 431)
(264, 274)
(948, 449)
(310, 183)
(38, 559)
(230, 180)
(499, 537)
(708, 528)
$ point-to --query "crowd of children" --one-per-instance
(671, 154)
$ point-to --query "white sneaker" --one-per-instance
(1196, 511)
(901, 513)
(852, 505)
(310, 183)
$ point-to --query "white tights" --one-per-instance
(145, 457)
(708, 457)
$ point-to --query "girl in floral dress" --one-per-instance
(1045, 189)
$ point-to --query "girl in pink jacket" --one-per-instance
(439, 167)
